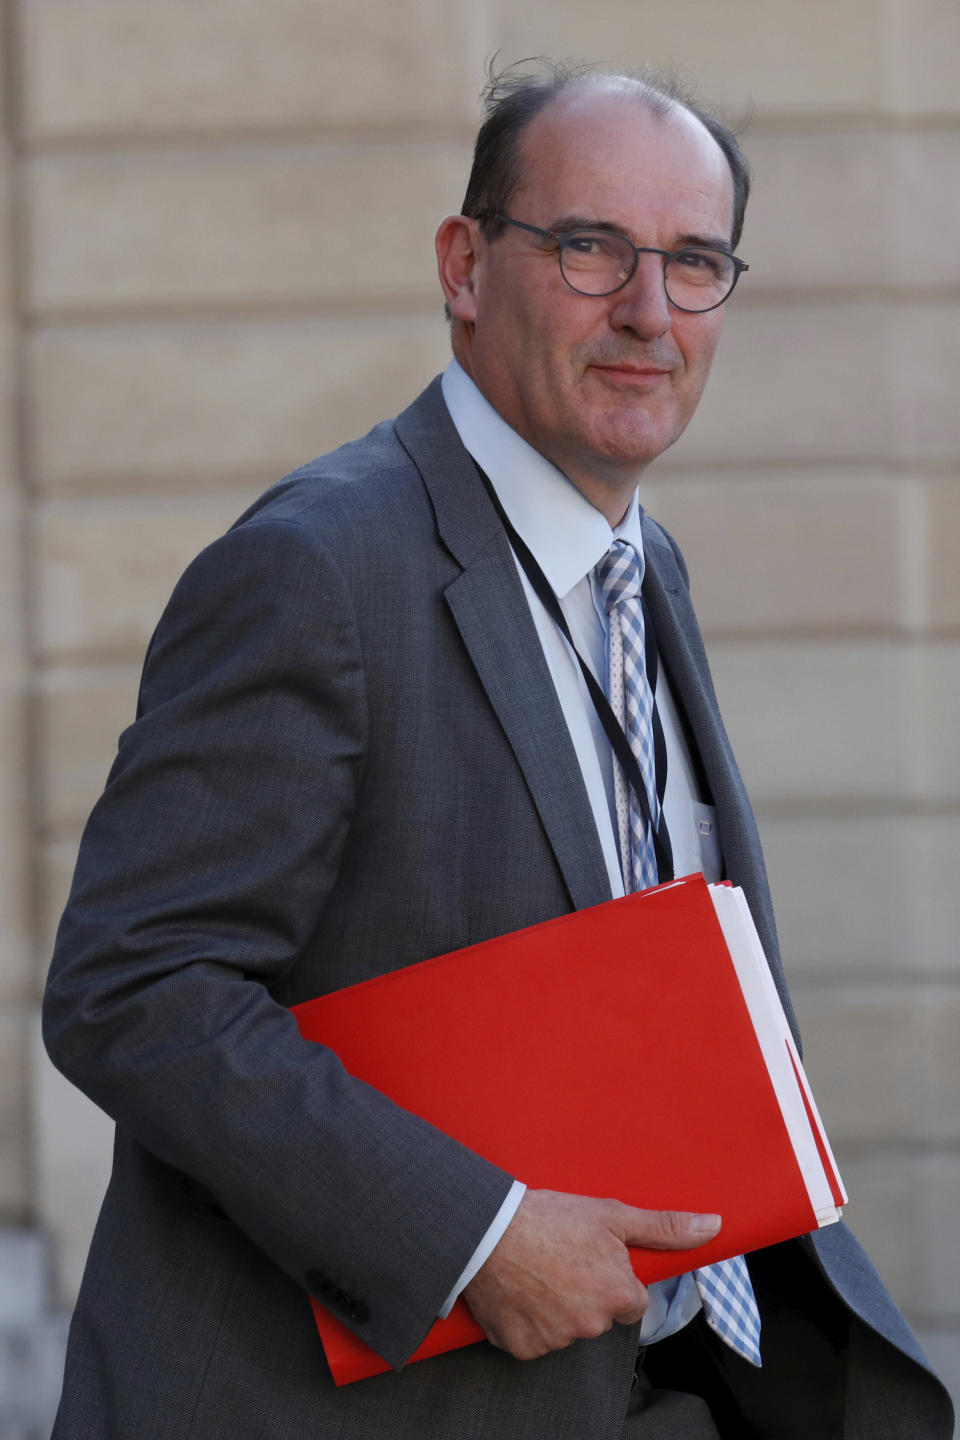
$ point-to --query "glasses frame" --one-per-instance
(563, 237)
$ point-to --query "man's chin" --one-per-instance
(633, 446)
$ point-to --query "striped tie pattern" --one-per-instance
(729, 1304)
(620, 576)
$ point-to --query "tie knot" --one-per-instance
(620, 574)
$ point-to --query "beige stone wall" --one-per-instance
(183, 321)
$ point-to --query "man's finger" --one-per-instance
(632, 1314)
(667, 1229)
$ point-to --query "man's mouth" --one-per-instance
(630, 373)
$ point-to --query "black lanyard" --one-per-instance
(611, 725)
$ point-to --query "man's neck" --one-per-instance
(611, 497)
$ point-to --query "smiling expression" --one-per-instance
(600, 385)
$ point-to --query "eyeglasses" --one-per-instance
(696, 278)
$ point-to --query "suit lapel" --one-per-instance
(490, 610)
(681, 647)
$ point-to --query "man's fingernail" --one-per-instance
(704, 1224)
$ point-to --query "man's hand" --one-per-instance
(561, 1271)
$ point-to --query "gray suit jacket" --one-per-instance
(348, 756)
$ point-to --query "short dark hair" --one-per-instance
(514, 96)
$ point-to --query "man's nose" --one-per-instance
(642, 304)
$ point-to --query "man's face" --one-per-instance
(600, 385)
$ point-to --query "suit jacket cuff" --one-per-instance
(487, 1245)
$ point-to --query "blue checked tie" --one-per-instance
(725, 1290)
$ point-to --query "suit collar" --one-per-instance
(466, 521)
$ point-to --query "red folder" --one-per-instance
(608, 1052)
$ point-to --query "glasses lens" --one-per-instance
(699, 279)
(595, 262)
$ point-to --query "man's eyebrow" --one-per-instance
(706, 242)
(586, 222)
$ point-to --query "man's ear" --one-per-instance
(459, 244)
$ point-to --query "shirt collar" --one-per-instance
(565, 532)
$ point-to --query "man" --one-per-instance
(362, 741)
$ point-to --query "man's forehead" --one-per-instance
(606, 138)
(607, 103)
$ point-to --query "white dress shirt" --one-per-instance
(569, 536)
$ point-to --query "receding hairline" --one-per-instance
(517, 96)
(629, 89)
(636, 86)
(672, 115)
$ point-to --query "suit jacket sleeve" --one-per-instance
(202, 873)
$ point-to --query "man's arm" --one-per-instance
(201, 877)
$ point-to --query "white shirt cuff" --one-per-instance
(485, 1249)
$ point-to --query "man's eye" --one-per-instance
(585, 244)
(700, 262)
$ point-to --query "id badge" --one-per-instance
(708, 841)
